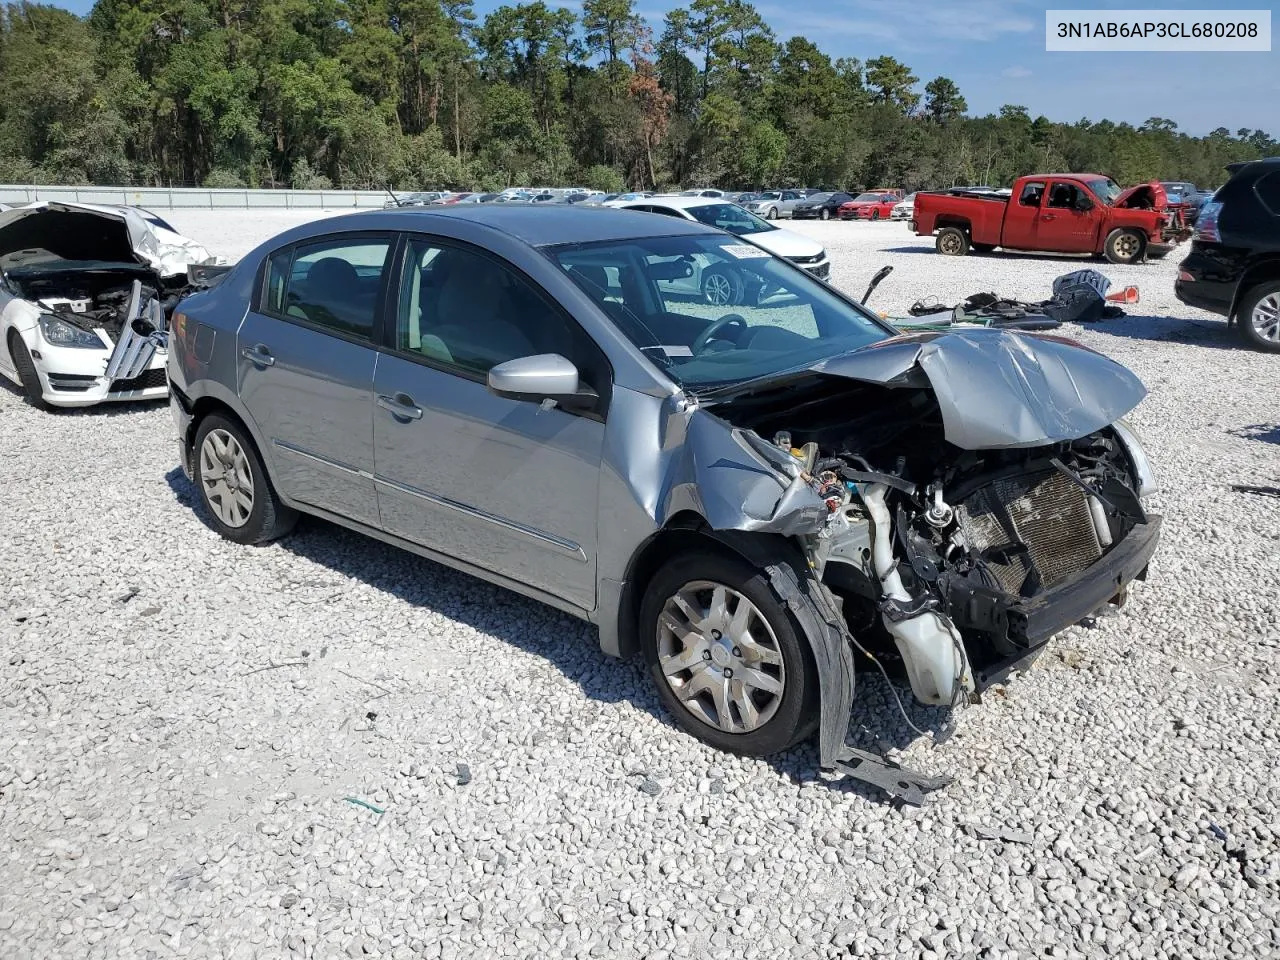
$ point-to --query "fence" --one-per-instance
(197, 198)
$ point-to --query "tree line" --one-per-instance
(424, 94)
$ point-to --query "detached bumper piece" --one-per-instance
(901, 784)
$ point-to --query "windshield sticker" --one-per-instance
(677, 350)
(744, 251)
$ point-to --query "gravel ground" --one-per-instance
(196, 732)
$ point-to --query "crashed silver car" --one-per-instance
(747, 497)
(83, 289)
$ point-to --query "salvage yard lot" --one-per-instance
(187, 721)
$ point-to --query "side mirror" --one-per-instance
(547, 376)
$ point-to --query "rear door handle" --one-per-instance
(401, 406)
(259, 355)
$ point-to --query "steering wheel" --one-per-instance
(712, 332)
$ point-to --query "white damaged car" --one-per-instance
(84, 293)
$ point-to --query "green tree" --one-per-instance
(943, 101)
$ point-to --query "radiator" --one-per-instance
(1047, 512)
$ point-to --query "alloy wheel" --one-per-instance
(226, 478)
(720, 657)
(1266, 317)
(717, 289)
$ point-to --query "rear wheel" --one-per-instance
(727, 658)
(1124, 246)
(26, 368)
(233, 483)
(952, 242)
(1259, 317)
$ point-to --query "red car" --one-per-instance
(869, 206)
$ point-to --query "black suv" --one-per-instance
(1234, 265)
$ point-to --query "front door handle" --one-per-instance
(400, 406)
(259, 355)
(1050, 216)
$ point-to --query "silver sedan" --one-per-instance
(745, 497)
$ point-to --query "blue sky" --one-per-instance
(994, 50)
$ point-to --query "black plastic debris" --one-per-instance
(909, 786)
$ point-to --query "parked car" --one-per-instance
(904, 209)
(703, 192)
(420, 199)
(727, 287)
(1185, 197)
(1055, 212)
(507, 390)
(622, 199)
(776, 203)
(820, 206)
(479, 198)
(869, 206)
(1233, 268)
(82, 289)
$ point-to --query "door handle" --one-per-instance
(401, 405)
(1050, 216)
(259, 355)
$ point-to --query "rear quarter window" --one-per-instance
(1268, 190)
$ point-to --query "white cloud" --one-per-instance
(1016, 72)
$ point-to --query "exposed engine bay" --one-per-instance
(966, 559)
(90, 296)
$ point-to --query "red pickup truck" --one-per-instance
(1058, 213)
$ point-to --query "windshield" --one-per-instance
(818, 198)
(713, 312)
(868, 198)
(1106, 189)
(771, 196)
(729, 217)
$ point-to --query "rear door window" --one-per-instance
(335, 284)
(1031, 194)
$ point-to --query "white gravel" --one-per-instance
(175, 763)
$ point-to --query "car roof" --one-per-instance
(686, 203)
(537, 226)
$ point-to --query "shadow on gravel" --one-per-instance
(1262, 432)
(1195, 333)
(570, 645)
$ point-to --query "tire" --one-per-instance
(824, 214)
(266, 517)
(875, 214)
(772, 214)
(1258, 317)
(721, 288)
(952, 242)
(1124, 246)
(26, 367)
(778, 658)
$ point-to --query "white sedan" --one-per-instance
(82, 298)
(725, 288)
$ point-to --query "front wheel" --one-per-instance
(727, 658)
(722, 288)
(824, 214)
(1124, 246)
(875, 214)
(27, 376)
(952, 242)
(243, 506)
(773, 213)
(1259, 317)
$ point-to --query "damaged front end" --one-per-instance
(961, 496)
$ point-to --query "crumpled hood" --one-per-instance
(998, 389)
(85, 231)
(1159, 197)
